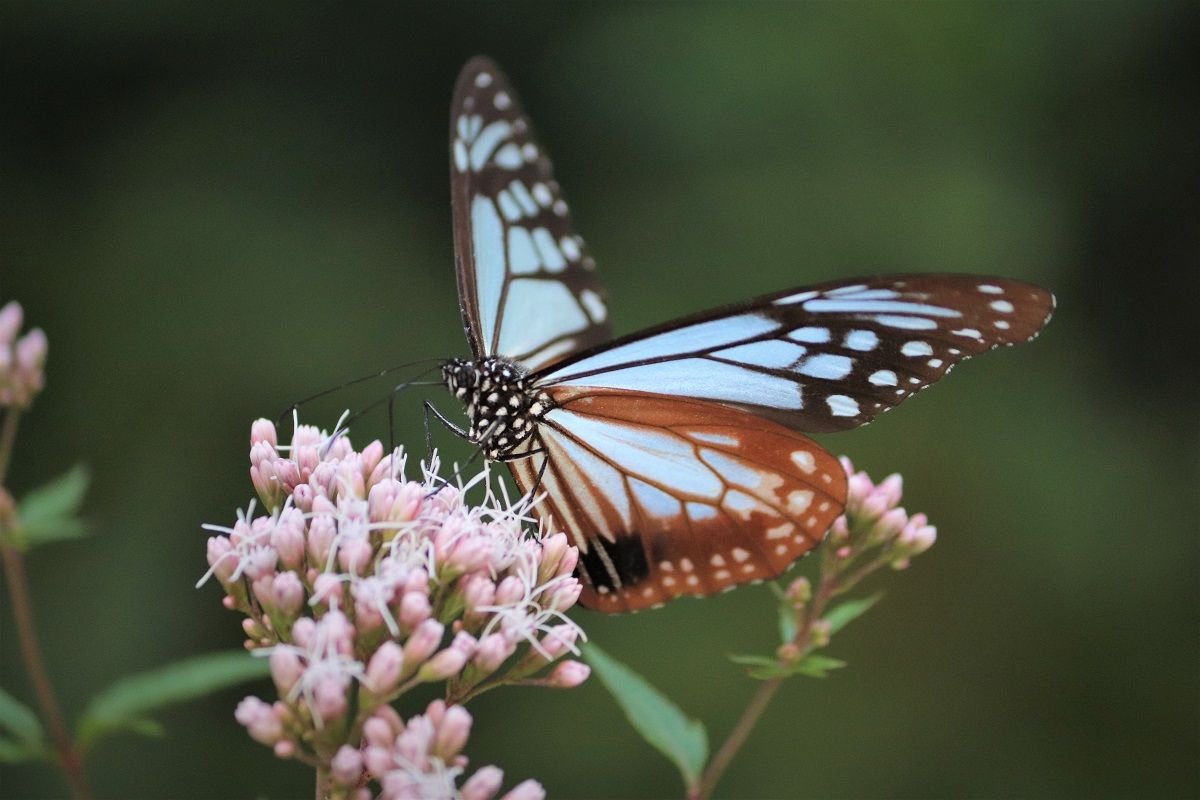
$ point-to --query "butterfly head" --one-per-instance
(501, 401)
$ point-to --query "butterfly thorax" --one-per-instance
(501, 402)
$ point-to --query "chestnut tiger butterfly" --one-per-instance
(675, 457)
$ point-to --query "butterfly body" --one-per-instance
(676, 458)
(501, 402)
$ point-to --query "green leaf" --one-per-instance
(659, 721)
(125, 704)
(16, 752)
(816, 666)
(49, 512)
(22, 723)
(767, 667)
(842, 615)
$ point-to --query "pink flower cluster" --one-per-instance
(417, 759)
(22, 359)
(361, 585)
(874, 518)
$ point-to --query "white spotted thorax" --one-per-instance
(502, 405)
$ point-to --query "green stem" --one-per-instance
(762, 698)
(18, 591)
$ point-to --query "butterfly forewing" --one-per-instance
(525, 279)
(667, 497)
(826, 358)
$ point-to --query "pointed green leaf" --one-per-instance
(842, 615)
(754, 661)
(49, 512)
(816, 666)
(659, 721)
(19, 720)
(124, 705)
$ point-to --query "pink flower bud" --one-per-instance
(889, 525)
(371, 455)
(285, 749)
(321, 532)
(338, 631)
(468, 554)
(414, 609)
(509, 591)
(423, 642)
(453, 731)
(221, 558)
(526, 790)
(417, 580)
(484, 784)
(259, 561)
(31, 351)
(465, 643)
(288, 538)
(288, 593)
(263, 430)
(873, 505)
(378, 759)
(477, 590)
(385, 667)
(444, 665)
(891, 489)
(307, 460)
(329, 698)
(11, 318)
(346, 765)
(564, 595)
(327, 588)
(260, 720)
(568, 675)
(799, 591)
(493, 650)
(286, 669)
(302, 497)
(355, 556)
(303, 632)
(559, 640)
(553, 549)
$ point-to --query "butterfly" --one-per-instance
(676, 457)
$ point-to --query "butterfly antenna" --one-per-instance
(291, 409)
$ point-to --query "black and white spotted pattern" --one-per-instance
(502, 404)
(525, 278)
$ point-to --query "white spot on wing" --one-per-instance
(551, 256)
(804, 460)
(485, 143)
(826, 366)
(483, 80)
(509, 156)
(864, 341)
(522, 257)
(989, 289)
(1003, 306)
(916, 348)
(594, 305)
(766, 353)
(883, 377)
(810, 335)
(906, 323)
(842, 406)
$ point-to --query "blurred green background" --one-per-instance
(216, 209)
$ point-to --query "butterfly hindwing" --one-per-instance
(667, 497)
(526, 283)
(826, 358)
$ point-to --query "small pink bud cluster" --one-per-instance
(875, 519)
(22, 359)
(422, 758)
(361, 585)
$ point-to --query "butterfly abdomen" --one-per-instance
(501, 402)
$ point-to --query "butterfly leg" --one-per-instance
(456, 430)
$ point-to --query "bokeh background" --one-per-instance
(214, 209)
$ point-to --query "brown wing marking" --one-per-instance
(669, 497)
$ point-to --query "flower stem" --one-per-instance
(18, 591)
(324, 782)
(762, 698)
